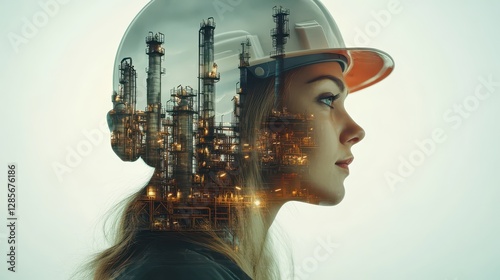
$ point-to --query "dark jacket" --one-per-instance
(166, 256)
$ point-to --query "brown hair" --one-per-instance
(252, 254)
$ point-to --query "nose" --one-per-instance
(352, 132)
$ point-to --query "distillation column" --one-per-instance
(128, 80)
(182, 138)
(123, 136)
(155, 51)
(239, 106)
(208, 76)
(242, 90)
(279, 34)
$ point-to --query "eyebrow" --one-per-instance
(336, 80)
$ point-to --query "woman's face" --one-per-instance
(320, 90)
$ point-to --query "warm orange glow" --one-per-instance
(151, 191)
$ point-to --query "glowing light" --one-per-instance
(151, 191)
(257, 202)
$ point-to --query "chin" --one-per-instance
(330, 197)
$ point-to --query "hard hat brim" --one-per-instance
(362, 67)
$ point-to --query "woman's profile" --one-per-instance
(279, 73)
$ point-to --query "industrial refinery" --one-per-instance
(197, 181)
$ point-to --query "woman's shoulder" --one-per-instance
(178, 259)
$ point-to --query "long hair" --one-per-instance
(253, 254)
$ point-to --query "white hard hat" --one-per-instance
(314, 38)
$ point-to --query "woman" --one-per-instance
(294, 134)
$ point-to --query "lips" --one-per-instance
(344, 163)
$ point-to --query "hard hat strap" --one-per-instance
(268, 69)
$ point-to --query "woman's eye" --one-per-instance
(328, 100)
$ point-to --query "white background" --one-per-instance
(440, 222)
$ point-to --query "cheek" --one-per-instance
(326, 136)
